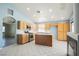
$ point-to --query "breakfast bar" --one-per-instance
(72, 44)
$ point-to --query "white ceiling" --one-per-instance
(59, 11)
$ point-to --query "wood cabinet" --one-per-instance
(22, 38)
(21, 25)
(65, 36)
(63, 28)
(43, 39)
(60, 35)
(67, 27)
(60, 31)
(60, 27)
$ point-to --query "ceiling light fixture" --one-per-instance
(34, 15)
(41, 11)
(38, 11)
(50, 10)
(28, 9)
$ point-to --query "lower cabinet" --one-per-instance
(22, 38)
(43, 40)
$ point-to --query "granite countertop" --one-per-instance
(43, 33)
(73, 35)
(20, 32)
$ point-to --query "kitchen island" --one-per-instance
(43, 39)
(72, 43)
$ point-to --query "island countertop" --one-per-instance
(43, 33)
(73, 35)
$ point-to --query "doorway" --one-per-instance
(54, 32)
(9, 30)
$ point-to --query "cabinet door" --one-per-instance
(63, 28)
(21, 25)
(24, 25)
(65, 35)
(60, 27)
(21, 39)
(66, 27)
(60, 31)
(25, 38)
(60, 35)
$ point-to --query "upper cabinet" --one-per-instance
(21, 25)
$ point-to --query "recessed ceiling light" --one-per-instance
(41, 11)
(28, 9)
(50, 10)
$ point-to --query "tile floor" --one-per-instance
(9, 41)
(31, 49)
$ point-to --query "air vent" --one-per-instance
(38, 11)
(10, 11)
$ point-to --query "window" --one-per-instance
(41, 27)
(72, 25)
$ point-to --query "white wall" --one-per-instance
(3, 13)
(76, 17)
(1, 40)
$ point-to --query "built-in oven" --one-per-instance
(30, 37)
